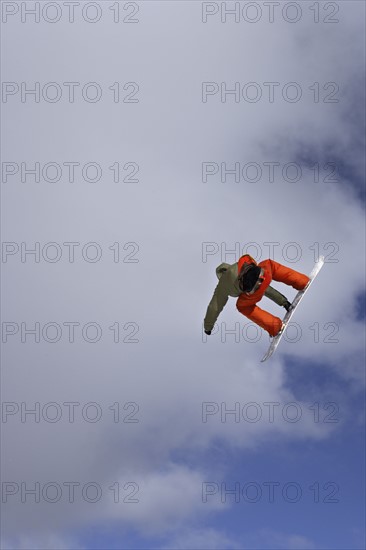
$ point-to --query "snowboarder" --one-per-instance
(249, 282)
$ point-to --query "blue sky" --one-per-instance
(179, 229)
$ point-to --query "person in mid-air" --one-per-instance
(249, 282)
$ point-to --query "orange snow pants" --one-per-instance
(246, 304)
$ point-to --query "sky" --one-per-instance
(160, 140)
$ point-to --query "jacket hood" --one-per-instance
(221, 269)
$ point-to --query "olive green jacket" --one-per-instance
(228, 285)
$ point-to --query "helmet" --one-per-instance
(249, 274)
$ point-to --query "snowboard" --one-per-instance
(276, 339)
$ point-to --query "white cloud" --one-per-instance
(268, 539)
(41, 541)
(168, 500)
(197, 539)
(170, 213)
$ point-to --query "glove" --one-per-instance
(208, 332)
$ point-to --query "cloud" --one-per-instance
(167, 501)
(268, 539)
(41, 541)
(197, 539)
(170, 213)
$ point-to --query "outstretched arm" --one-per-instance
(215, 307)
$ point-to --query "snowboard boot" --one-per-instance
(307, 284)
(282, 328)
(279, 332)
